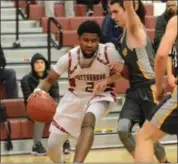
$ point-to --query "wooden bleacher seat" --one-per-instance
(150, 22)
(70, 38)
(15, 130)
(149, 7)
(75, 22)
(64, 21)
(151, 34)
(2, 91)
(37, 11)
(68, 23)
(15, 108)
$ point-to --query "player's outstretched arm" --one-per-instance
(163, 51)
(135, 28)
(49, 81)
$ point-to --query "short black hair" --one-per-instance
(141, 12)
(121, 2)
(89, 26)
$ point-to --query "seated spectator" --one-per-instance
(39, 71)
(89, 4)
(49, 7)
(162, 20)
(8, 78)
(110, 31)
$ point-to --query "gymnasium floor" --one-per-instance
(105, 155)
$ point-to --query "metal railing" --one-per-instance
(19, 11)
(50, 40)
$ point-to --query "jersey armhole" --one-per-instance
(106, 55)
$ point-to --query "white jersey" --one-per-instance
(79, 99)
(82, 80)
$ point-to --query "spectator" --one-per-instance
(39, 71)
(89, 4)
(49, 7)
(162, 20)
(8, 78)
(110, 31)
(105, 7)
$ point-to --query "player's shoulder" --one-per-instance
(173, 22)
(74, 50)
(107, 47)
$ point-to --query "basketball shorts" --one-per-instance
(72, 109)
(166, 117)
(139, 104)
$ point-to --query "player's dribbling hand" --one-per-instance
(38, 91)
(99, 87)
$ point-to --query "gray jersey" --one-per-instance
(140, 62)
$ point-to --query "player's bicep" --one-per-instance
(168, 39)
(52, 77)
(114, 56)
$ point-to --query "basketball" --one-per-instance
(41, 108)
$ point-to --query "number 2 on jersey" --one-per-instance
(90, 87)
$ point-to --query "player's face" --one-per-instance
(171, 7)
(89, 43)
(39, 66)
(118, 14)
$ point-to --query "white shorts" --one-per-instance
(72, 109)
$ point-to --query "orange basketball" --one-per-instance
(41, 108)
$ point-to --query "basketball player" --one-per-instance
(137, 52)
(165, 120)
(79, 110)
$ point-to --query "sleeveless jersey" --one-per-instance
(140, 62)
(83, 80)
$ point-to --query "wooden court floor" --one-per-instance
(105, 155)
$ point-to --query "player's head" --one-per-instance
(39, 64)
(118, 11)
(171, 7)
(89, 33)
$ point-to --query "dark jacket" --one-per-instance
(161, 23)
(2, 61)
(110, 31)
(30, 81)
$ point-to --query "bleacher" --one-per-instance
(33, 38)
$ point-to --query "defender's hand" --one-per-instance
(99, 87)
(172, 81)
(117, 67)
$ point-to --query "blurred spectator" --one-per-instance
(89, 4)
(49, 7)
(39, 71)
(8, 78)
(162, 20)
(105, 7)
(110, 31)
